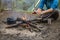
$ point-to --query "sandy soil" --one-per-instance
(48, 32)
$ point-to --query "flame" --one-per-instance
(24, 17)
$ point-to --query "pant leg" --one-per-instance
(46, 15)
(54, 15)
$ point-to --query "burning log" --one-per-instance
(30, 24)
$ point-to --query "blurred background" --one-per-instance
(19, 5)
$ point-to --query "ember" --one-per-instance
(24, 18)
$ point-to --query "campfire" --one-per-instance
(22, 22)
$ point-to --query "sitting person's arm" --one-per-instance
(47, 11)
(39, 11)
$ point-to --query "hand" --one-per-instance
(38, 11)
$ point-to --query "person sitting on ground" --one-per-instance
(51, 5)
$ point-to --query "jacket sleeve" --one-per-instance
(54, 4)
(41, 4)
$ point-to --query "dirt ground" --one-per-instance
(48, 32)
